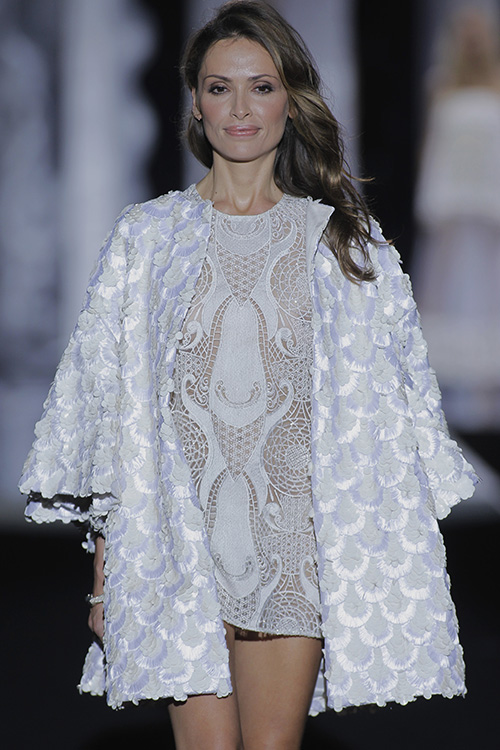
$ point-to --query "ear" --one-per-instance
(194, 109)
(292, 109)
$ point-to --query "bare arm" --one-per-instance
(96, 616)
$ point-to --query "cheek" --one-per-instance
(210, 110)
(278, 113)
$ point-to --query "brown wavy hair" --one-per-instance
(310, 157)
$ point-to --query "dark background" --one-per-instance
(43, 652)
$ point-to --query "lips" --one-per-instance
(241, 131)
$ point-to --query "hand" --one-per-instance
(96, 616)
(96, 620)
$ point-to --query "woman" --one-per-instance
(458, 208)
(252, 574)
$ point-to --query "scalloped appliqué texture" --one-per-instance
(106, 453)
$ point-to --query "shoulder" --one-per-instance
(167, 209)
(141, 229)
(380, 253)
(393, 285)
(383, 255)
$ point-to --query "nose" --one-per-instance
(240, 106)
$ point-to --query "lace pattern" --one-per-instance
(241, 404)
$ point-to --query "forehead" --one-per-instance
(236, 55)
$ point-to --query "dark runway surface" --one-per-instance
(45, 638)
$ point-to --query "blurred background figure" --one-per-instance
(75, 133)
(457, 264)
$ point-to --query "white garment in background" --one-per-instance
(107, 130)
(457, 266)
(460, 172)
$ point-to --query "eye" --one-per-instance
(217, 88)
(264, 88)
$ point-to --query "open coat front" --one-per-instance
(383, 469)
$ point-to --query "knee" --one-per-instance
(274, 740)
(205, 722)
(209, 742)
(219, 744)
(225, 743)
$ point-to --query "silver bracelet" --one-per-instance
(92, 600)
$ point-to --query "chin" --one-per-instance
(244, 155)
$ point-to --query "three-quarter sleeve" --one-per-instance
(451, 478)
(70, 473)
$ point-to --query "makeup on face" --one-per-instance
(241, 100)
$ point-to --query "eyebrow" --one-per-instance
(251, 78)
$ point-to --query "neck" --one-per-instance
(241, 188)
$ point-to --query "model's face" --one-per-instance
(241, 101)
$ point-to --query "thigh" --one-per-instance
(206, 722)
(275, 679)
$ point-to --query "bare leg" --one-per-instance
(273, 682)
(275, 679)
(205, 722)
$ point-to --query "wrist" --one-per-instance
(93, 599)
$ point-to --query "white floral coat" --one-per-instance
(383, 469)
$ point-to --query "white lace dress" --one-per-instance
(242, 408)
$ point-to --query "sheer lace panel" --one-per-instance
(241, 404)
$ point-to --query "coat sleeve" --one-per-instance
(451, 478)
(70, 473)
